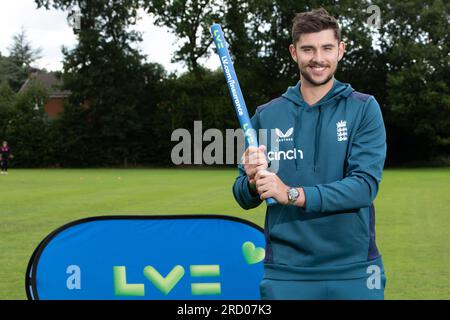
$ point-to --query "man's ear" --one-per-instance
(341, 50)
(293, 52)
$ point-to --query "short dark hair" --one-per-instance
(314, 21)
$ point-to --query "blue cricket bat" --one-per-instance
(235, 91)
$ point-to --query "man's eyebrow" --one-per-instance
(307, 47)
(332, 45)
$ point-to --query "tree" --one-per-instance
(415, 41)
(21, 51)
(152, 138)
(11, 74)
(131, 107)
(104, 72)
(27, 130)
(7, 101)
(189, 20)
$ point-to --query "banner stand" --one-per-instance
(163, 257)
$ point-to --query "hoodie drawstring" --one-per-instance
(296, 130)
(317, 138)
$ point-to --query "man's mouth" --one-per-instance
(317, 69)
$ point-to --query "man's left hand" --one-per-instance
(269, 185)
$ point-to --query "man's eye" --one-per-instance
(307, 50)
(328, 49)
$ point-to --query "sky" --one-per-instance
(49, 30)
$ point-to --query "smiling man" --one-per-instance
(320, 237)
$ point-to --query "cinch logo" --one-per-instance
(283, 155)
(341, 128)
(284, 136)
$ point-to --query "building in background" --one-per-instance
(53, 84)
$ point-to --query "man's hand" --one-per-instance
(254, 160)
(269, 185)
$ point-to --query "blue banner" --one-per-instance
(193, 257)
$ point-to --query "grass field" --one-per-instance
(412, 212)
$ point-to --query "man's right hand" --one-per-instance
(254, 159)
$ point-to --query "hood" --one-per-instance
(338, 91)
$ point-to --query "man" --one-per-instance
(329, 151)
(5, 155)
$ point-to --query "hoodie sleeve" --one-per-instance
(241, 189)
(363, 172)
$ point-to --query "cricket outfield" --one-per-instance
(412, 215)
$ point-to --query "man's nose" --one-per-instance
(318, 57)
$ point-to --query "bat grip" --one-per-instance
(271, 202)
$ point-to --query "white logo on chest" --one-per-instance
(284, 136)
(341, 128)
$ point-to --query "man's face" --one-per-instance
(317, 55)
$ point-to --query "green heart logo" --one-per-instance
(252, 254)
(164, 284)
